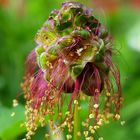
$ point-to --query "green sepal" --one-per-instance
(76, 69)
(53, 14)
(76, 11)
(66, 41)
(46, 37)
(103, 67)
(83, 33)
(99, 58)
(51, 57)
(62, 26)
(103, 33)
(80, 20)
(91, 18)
(43, 61)
(45, 58)
(64, 22)
(67, 31)
(93, 23)
(39, 50)
(53, 51)
(66, 17)
(88, 56)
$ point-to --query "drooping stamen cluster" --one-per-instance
(73, 55)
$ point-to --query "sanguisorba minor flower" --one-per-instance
(71, 65)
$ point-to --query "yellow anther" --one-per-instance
(101, 138)
(79, 107)
(22, 125)
(64, 124)
(122, 123)
(47, 135)
(91, 116)
(96, 91)
(79, 133)
(100, 122)
(96, 106)
(86, 133)
(15, 103)
(117, 116)
(89, 138)
(90, 127)
(109, 115)
(69, 137)
(84, 124)
(108, 94)
(67, 113)
(75, 102)
(92, 131)
(12, 114)
(96, 127)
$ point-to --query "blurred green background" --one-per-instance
(19, 22)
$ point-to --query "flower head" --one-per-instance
(73, 58)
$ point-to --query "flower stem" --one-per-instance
(76, 122)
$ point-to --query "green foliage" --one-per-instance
(10, 123)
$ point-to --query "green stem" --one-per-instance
(76, 122)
